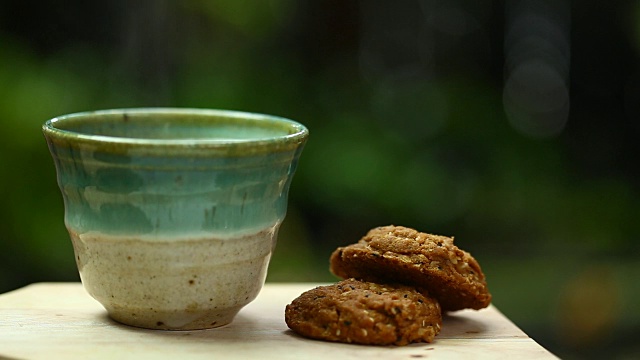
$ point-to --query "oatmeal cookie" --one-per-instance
(396, 254)
(353, 311)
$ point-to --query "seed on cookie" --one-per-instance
(353, 311)
(407, 256)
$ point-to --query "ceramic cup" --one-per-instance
(174, 213)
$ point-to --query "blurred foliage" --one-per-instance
(405, 107)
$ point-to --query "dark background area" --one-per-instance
(511, 125)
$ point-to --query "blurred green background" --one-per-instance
(513, 126)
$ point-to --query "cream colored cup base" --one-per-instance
(174, 320)
(183, 284)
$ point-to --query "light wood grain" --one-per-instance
(60, 321)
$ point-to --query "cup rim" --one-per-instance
(297, 133)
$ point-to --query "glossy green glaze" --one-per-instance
(173, 172)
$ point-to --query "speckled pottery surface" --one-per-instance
(174, 213)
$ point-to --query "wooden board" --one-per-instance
(60, 320)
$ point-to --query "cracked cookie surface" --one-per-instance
(397, 254)
(353, 311)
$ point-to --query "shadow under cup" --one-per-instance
(174, 213)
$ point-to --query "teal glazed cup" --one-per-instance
(174, 213)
